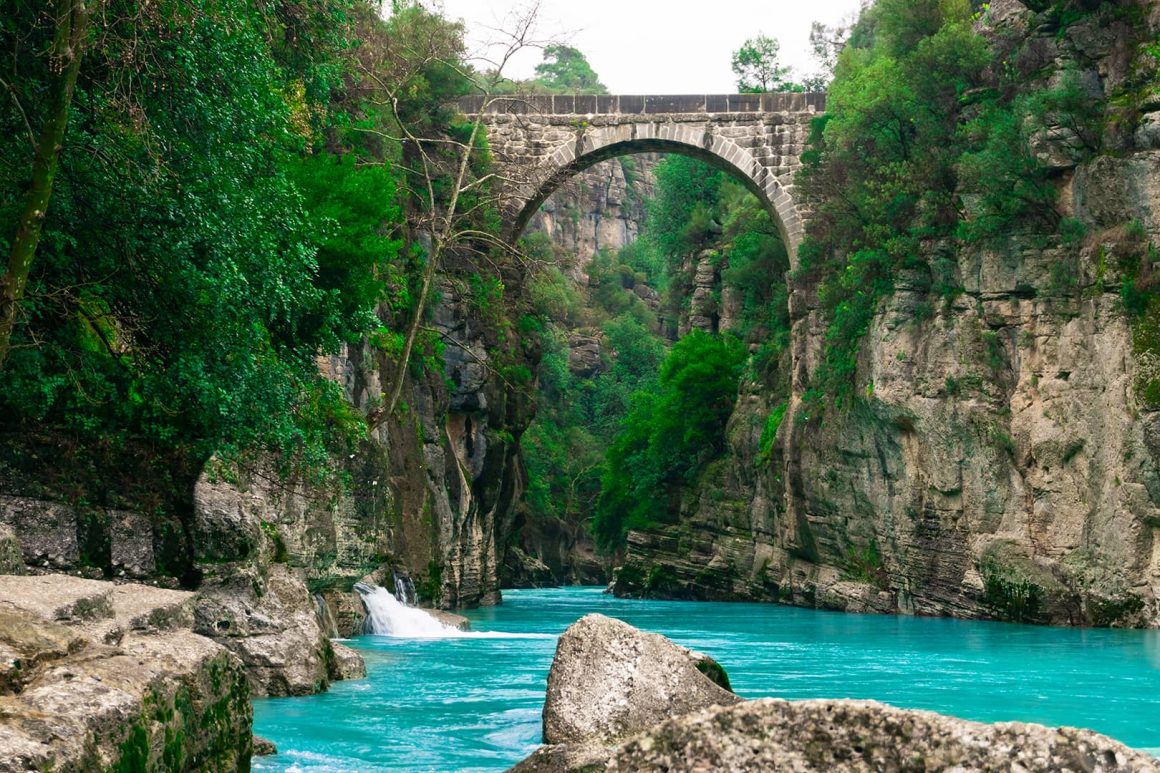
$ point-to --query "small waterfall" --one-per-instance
(405, 590)
(388, 616)
(325, 619)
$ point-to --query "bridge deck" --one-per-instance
(615, 104)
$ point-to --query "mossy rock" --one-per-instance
(1017, 589)
(714, 670)
(1115, 611)
(629, 580)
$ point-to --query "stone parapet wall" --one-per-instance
(643, 104)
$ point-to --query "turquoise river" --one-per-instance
(473, 703)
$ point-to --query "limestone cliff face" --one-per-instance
(602, 208)
(1004, 461)
(435, 497)
(430, 496)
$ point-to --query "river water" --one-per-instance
(472, 703)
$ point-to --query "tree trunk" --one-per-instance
(71, 21)
(439, 243)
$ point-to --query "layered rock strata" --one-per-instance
(95, 676)
(1002, 459)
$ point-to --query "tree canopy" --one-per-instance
(228, 206)
(757, 68)
(565, 70)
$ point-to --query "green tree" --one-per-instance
(67, 41)
(196, 256)
(565, 70)
(681, 215)
(826, 44)
(448, 186)
(756, 66)
(671, 432)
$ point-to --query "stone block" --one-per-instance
(631, 104)
(717, 103)
(744, 103)
(131, 544)
(47, 531)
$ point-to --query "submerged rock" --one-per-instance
(450, 618)
(609, 680)
(264, 748)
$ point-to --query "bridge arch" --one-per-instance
(718, 152)
(540, 142)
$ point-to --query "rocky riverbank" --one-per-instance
(96, 676)
(623, 700)
(136, 677)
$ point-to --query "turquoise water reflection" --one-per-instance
(474, 703)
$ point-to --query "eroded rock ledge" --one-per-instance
(97, 676)
(610, 684)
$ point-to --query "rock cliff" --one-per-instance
(602, 208)
(1003, 462)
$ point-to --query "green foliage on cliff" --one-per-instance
(927, 141)
(579, 414)
(670, 434)
(226, 209)
(657, 439)
(680, 216)
(583, 419)
(698, 207)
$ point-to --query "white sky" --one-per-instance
(656, 46)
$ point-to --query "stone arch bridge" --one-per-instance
(539, 142)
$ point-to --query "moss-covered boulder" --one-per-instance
(127, 685)
(828, 735)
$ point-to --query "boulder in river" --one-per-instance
(623, 700)
(345, 663)
(609, 681)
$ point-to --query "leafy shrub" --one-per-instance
(669, 435)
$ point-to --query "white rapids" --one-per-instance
(387, 616)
